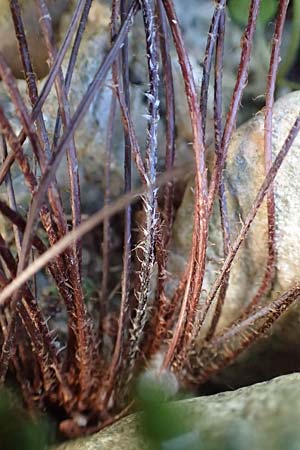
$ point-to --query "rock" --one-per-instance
(243, 176)
(263, 416)
(38, 51)
(91, 135)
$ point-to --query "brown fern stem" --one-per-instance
(268, 127)
(48, 84)
(217, 353)
(208, 59)
(228, 130)
(196, 265)
(253, 211)
(150, 198)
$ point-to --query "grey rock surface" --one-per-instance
(261, 417)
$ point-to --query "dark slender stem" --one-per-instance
(239, 87)
(127, 188)
(71, 65)
(106, 244)
(170, 118)
(48, 84)
(223, 349)
(10, 193)
(122, 90)
(268, 129)
(222, 193)
(46, 26)
(196, 264)
(29, 74)
(208, 59)
(130, 130)
(252, 213)
(150, 199)
(165, 228)
(21, 110)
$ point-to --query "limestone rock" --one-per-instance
(244, 173)
(261, 417)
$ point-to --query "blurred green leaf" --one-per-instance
(239, 9)
(163, 425)
(17, 430)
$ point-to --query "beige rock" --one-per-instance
(91, 134)
(264, 416)
(8, 41)
(244, 174)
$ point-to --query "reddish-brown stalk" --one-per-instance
(271, 84)
(147, 244)
(159, 322)
(239, 87)
(222, 193)
(85, 344)
(120, 72)
(71, 64)
(106, 243)
(48, 84)
(10, 193)
(228, 130)
(195, 269)
(64, 109)
(208, 59)
(253, 211)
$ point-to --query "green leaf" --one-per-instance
(239, 11)
(163, 426)
(17, 430)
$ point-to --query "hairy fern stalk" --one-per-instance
(86, 371)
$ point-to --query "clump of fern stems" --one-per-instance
(86, 382)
